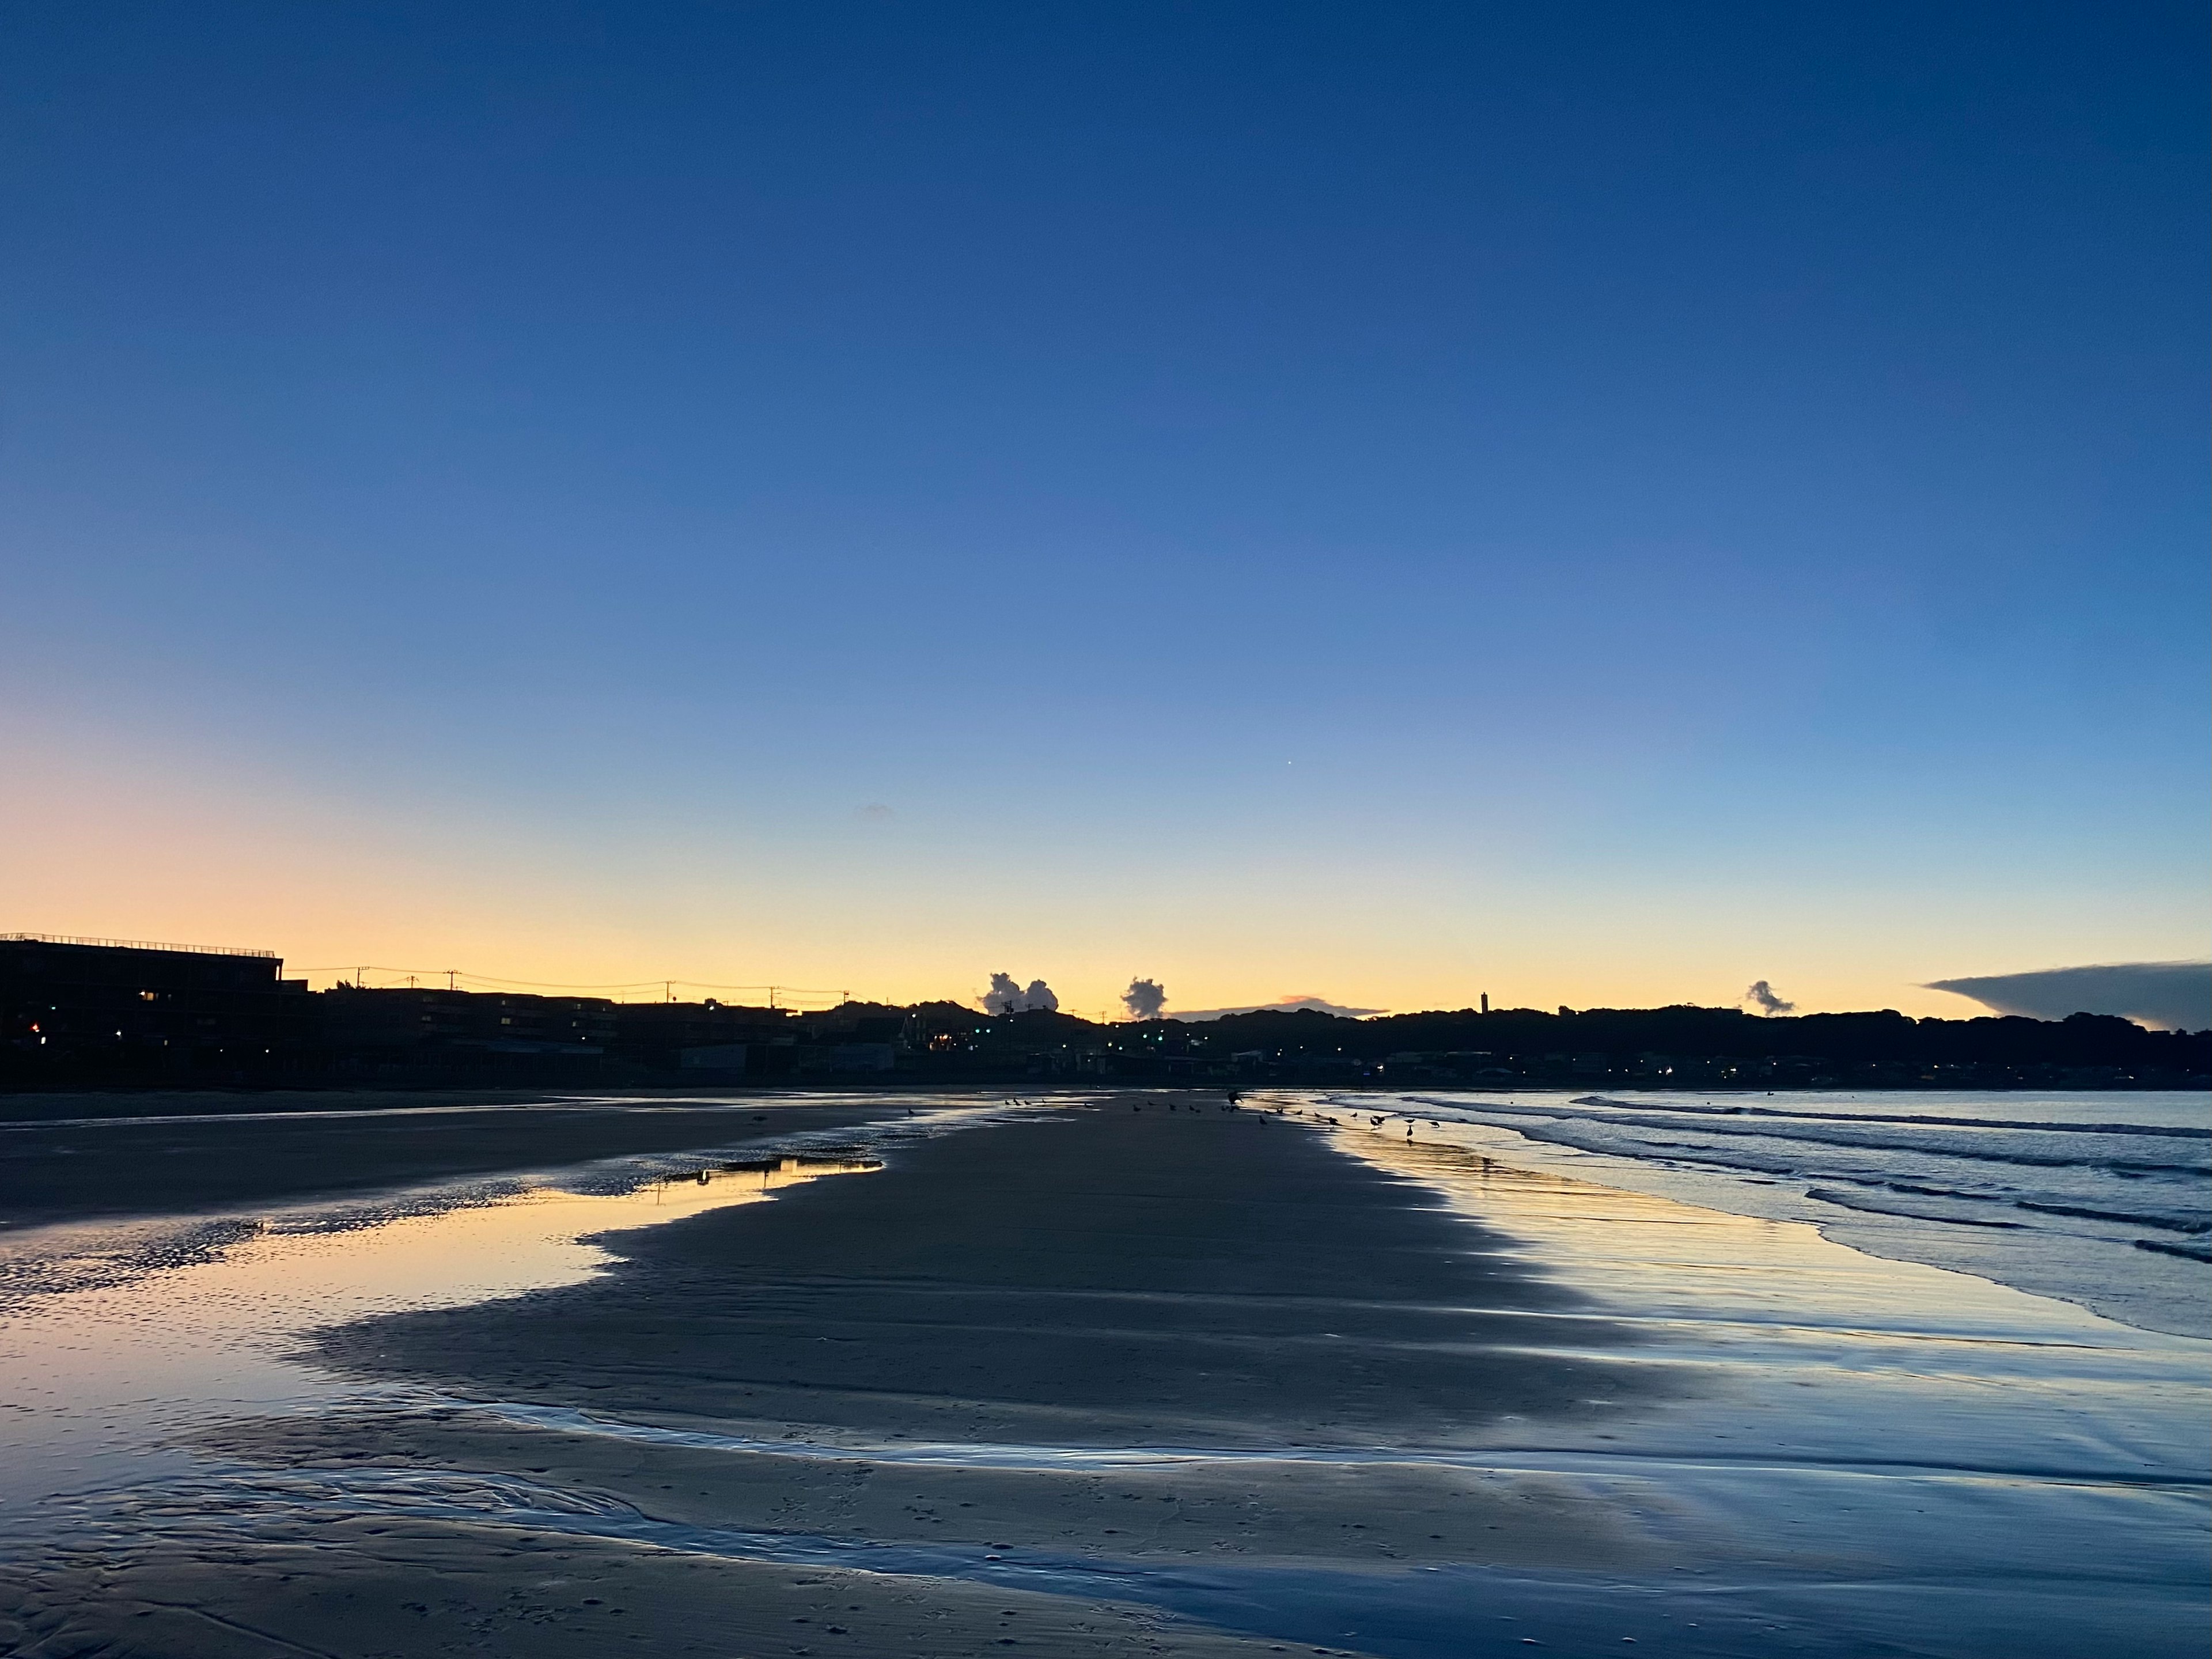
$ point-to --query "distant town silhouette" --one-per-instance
(84, 1013)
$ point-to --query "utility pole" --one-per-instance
(452, 979)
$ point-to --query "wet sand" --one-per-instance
(1096, 1379)
(1372, 1512)
(1095, 1278)
(439, 1588)
(1100, 1278)
(67, 1158)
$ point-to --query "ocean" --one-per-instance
(2101, 1199)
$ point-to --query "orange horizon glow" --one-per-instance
(107, 840)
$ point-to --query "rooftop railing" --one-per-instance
(136, 944)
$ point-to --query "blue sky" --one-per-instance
(1587, 503)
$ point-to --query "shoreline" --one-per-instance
(1103, 1380)
(55, 1173)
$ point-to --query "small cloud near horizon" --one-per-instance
(1007, 995)
(1144, 999)
(1768, 1001)
(1285, 1005)
(874, 813)
(2174, 995)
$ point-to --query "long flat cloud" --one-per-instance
(2177, 995)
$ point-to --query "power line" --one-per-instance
(665, 986)
(488, 978)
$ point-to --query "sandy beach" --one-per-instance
(1107, 1378)
(64, 1157)
(1105, 1277)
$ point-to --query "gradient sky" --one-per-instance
(1589, 504)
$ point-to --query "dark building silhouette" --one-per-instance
(411, 1025)
(118, 1009)
(707, 1041)
(389, 1034)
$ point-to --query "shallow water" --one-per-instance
(1890, 1456)
(2101, 1198)
(100, 1381)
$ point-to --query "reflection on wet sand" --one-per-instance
(1073, 1382)
(1088, 1279)
(2062, 1195)
(165, 1157)
(98, 1378)
(1856, 1357)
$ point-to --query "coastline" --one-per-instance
(1095, 1379)
(193, 1156)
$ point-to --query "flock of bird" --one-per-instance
(1233, 1102)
